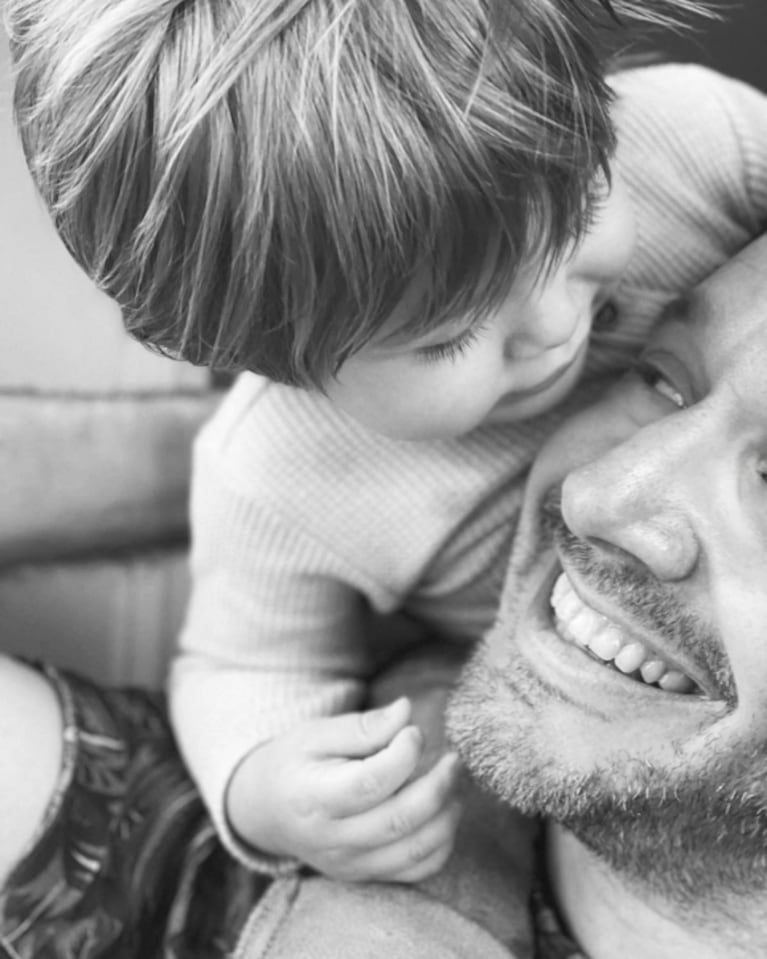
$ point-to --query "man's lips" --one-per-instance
(620, 645)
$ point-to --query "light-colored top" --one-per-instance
(303, 522)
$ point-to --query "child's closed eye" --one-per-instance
(450, 349)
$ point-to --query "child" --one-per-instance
(401, 218)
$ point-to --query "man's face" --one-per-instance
(624, 690)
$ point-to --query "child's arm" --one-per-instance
(339, 794)
(274, 643)
(277, 633)
(271, 640)
(692, 144)
(747, 112)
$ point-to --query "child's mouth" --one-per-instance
(552, 378)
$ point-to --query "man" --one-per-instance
(623, 692)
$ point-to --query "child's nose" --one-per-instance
(605, 250)
(553, 316)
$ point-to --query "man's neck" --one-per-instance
(608, 916)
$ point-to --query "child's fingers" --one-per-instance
(356, 786)
(355, 735)
(405, 812)
(418, 855)
(428, 866)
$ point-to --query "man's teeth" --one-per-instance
(584, 626)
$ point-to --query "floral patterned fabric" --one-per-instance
(126, 864)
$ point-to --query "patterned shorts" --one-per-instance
(126, 862)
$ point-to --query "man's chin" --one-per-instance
(688, 835)
(491, 718)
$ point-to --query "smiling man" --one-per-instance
(623, 692)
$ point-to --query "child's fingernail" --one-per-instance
(393, 707)
(382, 713)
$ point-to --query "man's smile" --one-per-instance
(594, 608)
(607, 642)
(603, 652)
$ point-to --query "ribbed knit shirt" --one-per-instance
(303, 521)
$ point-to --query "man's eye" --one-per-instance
(657, 380)
(450, 349)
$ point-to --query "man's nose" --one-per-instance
(635, 500)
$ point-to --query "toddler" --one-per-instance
(408, 223)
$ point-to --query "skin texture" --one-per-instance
(31, 725)
(654, 503)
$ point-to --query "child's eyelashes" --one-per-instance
(450, 349)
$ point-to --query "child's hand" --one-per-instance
(336, 794)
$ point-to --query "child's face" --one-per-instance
(521, 360)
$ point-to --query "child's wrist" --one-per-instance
(247, 804)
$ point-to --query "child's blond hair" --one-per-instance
(257, 182)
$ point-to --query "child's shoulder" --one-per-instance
(692, 147)
(261, 421)
(283, 447)
(677, 78)
(267, 440)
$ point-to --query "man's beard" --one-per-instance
(689, 834)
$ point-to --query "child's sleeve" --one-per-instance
(273, 635)
(693, 147)
(725, 122)
(746, 109)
